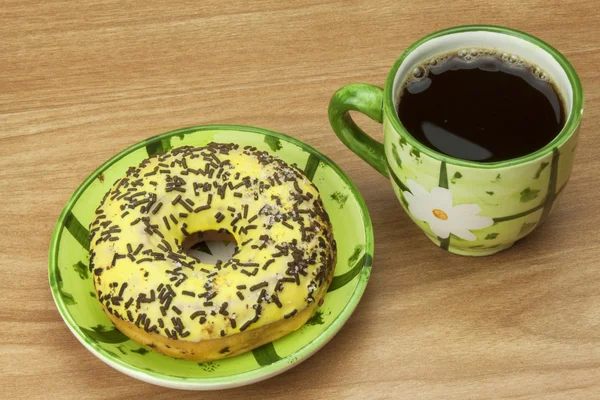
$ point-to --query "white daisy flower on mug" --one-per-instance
(443, 217)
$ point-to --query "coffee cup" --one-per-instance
(466, 207)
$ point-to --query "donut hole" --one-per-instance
(210, 246)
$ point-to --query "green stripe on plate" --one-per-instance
(79, 232)
(340, 280)
(158, 146)
(103, 334)
(265, 354)
(311, 166)
(67, 297)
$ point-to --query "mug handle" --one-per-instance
(367, 99)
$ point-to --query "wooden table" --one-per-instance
(79, 81)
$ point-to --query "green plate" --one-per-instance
(73, 290)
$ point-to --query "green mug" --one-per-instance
(465, 207)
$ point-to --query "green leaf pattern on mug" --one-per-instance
(457, 175)
(540, 169)
(397, 156)
(415, 153)
(529, 194)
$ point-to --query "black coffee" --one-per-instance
(481, 105)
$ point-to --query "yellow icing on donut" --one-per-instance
(142, 275)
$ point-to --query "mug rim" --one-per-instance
(565, 134)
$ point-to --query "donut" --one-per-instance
(162, 297)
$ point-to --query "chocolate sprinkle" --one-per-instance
(158, 206)
(259, 286)
(246, 325)
(196, 314)
(186, 206)
(185, 232)
(201, 208)
(129, 302)
(287, 225)
(276, 300)
(223, 309)
(261, 296)
(269, 262)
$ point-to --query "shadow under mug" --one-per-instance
(465, 207)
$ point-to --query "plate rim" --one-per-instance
(228, 381)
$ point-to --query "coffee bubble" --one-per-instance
(482, 56)
(418, 72)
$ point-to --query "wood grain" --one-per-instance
(81, 80)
